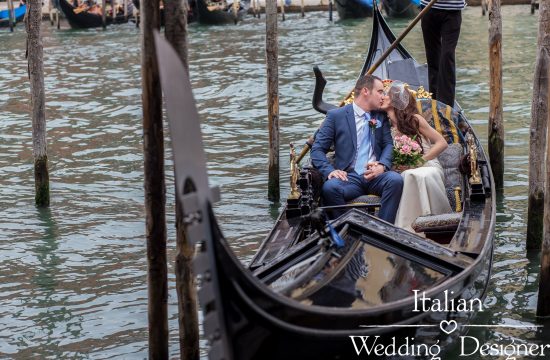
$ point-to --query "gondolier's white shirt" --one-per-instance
(446, 4)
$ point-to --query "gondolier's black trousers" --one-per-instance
(441, 29)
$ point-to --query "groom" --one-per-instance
(363, 151)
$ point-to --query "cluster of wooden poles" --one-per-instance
(255, 6)
(154, 183)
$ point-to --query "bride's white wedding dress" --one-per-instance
(423, 191)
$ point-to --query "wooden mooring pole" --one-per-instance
(113, 10)
(330, 5)
(35, 54)
(496, 126)
(11, 15)
(538, 128)
(271, 51)
(302, 9)
(254, 8)
(175, 30)
(154, 185)
(104, 14)
(282, 8)
(50, 13)
(540, 100)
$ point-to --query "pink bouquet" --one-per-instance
(407, 152)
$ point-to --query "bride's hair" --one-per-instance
(406, 120)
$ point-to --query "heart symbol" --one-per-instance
(448, 326)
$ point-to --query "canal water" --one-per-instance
(73, 277)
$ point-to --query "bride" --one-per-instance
(423, 189)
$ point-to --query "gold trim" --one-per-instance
(458, 200)
(294, 174)
(435, 114)
(421, 93)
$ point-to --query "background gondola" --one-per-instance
(221, 12)
(400, 8)
(191, 12)
(353, 9)
(85, 19)
(19, 13)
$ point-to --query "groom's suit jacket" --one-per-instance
(339, 129)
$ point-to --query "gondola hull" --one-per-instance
(353, 9)
(304, 296)
(270, 324)
(86, 20)
(19, 13)
(220, 17)
(400, 8)
(191, 11)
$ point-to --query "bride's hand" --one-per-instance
(401, 168)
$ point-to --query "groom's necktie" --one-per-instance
(364, 146)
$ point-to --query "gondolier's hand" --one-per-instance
(339, 174)
(373, 170)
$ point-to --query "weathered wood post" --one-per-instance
(113, 10)
(175, 29)
(282, 8)
(330, 10)
(271, 51)
(11, 15)
(303, 11)
(154, 186)
(496, 126)
(57, 19)
(543, 304)
(538, 128)
(125, 5)
(254, 8)
(104, 14)
(35, 54)
(50, 14)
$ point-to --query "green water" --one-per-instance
(73, 278)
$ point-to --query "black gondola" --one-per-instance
(306, 297)
(400, 8)
(354, 9)
(212, 12)
(219, 12)
(191, 11)
(85, 19)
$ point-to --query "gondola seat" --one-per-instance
(438, 227)
(443, 226)
(448, 122)
(371, 203)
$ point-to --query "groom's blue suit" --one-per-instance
(339, 129)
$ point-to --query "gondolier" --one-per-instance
(441, 29)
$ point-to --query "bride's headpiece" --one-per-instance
(399, 94)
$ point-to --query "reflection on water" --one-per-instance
(73, 278)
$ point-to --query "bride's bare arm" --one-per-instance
(436, 139)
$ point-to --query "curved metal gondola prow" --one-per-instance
(317, 101)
